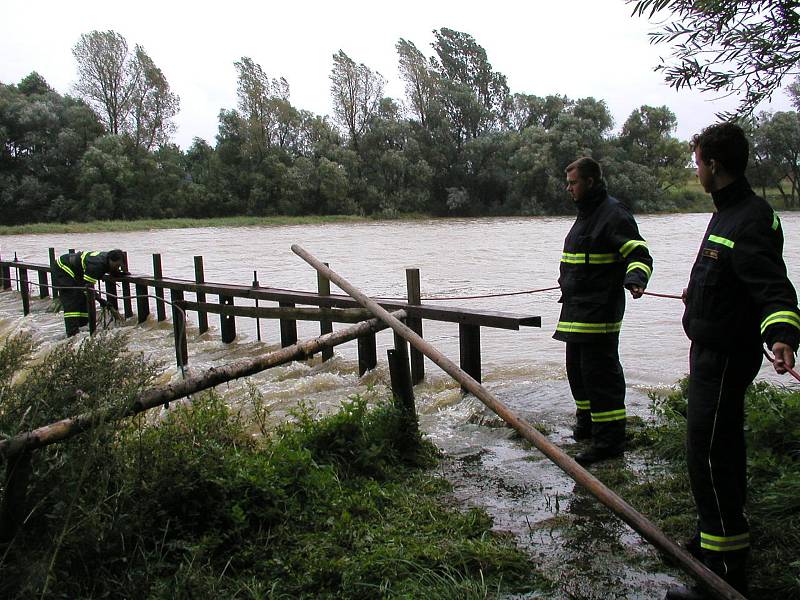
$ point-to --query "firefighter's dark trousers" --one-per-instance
(716, 453)
(598, 387)
(73, 301)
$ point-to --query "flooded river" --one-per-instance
(488, 465)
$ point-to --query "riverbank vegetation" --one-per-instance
(206, 500)
(772, 431)
(461, 143)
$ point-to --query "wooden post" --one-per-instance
(126, 289)
(13, 510)
(367, 353)
(199, 277)
(179, 328)
(469, 340)
(159, 291)
(53, 266)
(288, 327)
(324, 289)
(142, 303)
(227, 323)
(402, 388)
(5, 277)
(415, 323)
(91, 308)
(44, 288)
(111, 293)
(22, 275)
(258, 321)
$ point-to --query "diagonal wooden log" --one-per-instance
(66, 428)
(718, 587)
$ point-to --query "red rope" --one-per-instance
(663, 295)
(492, 295)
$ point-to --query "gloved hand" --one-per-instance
(101, 301)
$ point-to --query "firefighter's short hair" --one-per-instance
(726, 143)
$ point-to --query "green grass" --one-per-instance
(146, 224)
(210, 502)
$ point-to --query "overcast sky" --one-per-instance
(575, 47)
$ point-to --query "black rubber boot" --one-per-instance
(583, 425)
(608, 441)
(731, 566)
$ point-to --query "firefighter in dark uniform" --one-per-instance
(738, 297)
(75, 272)
(603, 255)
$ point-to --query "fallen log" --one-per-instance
(66, 428)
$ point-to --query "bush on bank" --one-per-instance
(210, 503)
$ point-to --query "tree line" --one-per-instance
(459, 143)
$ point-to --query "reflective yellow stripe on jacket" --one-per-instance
(579, 258)
(630, 245)
(65, 268)
(86, 277)
(640, 265)
(782, 316)
(720, 240)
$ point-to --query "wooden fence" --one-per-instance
(320, 306)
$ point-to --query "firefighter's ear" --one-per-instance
(713, 166)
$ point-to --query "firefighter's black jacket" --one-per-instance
(84, 268)
(603, 253)
(739, 293)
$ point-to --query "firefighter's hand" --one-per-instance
(784, 357)
(103, 303)
(683, 295)
(636, 291)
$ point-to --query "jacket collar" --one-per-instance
(595, 196)
(732, 193)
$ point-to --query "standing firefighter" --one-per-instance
(738, 297)
(603, 255)
(75, 275)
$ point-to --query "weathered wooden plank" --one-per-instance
(336, 315)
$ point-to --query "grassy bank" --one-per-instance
(146, 224)
(214, 503)
(773, 442)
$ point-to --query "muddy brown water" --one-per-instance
(587, 552)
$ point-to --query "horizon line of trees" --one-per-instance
(460, 143)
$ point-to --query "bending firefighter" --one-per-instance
(74, 277)
(739, 297)
(603, 255)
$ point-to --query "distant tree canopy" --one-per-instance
(459, 143)
(127, 91)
